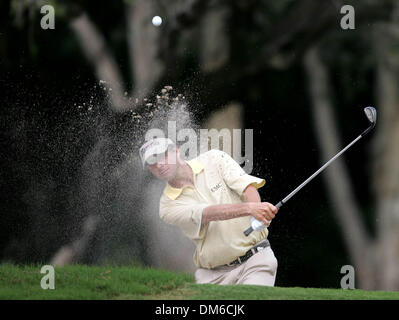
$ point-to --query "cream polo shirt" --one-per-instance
(218, 179)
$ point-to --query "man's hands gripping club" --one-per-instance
(263, 212)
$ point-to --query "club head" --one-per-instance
(371, 114)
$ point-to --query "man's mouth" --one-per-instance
(164, 171)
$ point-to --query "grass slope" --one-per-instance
(78, 282)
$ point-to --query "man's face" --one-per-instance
(166, 166)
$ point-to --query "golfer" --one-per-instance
(211, 199)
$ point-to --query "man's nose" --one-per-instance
(159, 165)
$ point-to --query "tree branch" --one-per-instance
(144, 47)
(95, 49)
(184, 17)
(309, 19)
(302, 16)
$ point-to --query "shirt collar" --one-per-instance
(173, 193)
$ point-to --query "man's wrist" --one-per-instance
(248, 208)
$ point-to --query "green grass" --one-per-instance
(78, 282)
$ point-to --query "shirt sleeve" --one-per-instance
(187, 217)
(235, 176)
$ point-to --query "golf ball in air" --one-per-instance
(157, 21)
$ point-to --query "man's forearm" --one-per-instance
(231, 211)
(225, 212)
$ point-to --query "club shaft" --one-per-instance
(320, 170)
(280, 204)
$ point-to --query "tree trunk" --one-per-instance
(215, 46)
(71, 253)
(94, 47)
(386, 154)
(336, 176)
(144, 41)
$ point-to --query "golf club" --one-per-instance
(371, 114)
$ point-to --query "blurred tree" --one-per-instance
(375, 259)
(336, 177)
(386, 153)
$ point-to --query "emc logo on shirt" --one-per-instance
(219, 185)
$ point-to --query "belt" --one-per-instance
(256, 248)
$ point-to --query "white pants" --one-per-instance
(260, 269)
